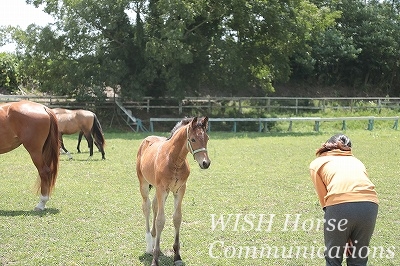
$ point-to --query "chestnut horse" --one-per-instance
(86, 123)
(162, 163)
(34, 126)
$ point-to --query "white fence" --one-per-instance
(262, 122)
(240, 104)
(223, 104)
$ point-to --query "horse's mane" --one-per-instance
(180, 124)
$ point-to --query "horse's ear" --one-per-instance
(194, 122)
(205, 122)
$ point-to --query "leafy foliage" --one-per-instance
(9, 78)
(184, 47)
(360, 50)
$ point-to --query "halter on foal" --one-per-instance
(162, 163)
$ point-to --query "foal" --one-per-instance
(162, 163)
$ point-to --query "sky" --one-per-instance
(19, 13)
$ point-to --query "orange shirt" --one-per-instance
(340, 177)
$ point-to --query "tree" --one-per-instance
(378, 36)
(227, 47)
(9, 75)
(90, 46)
(171, 47)
(361, 50)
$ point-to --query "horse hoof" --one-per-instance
(178, 263)
(150, 252)
(36, 209)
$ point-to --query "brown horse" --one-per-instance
(83, 121)
(161, 162)
(34, 126)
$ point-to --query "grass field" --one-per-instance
(260, 180)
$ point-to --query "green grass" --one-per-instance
(94, 216)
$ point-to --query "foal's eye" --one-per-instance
(193, 140)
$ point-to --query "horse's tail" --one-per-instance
(51, 151)
(98, 135)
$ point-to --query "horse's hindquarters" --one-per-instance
(35, 126)
(146, 157)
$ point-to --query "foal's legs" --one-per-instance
(154, 206)
(161, 195)
(177, 218)
(144, 190)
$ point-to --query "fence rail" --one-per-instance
(47, 100)
(296, 104)
(222, 104)
(262, 122)
(239, 103)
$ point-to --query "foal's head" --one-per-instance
(197, 138)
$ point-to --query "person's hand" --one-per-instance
(349, 248)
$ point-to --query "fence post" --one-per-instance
(316, 126)
(396, 124)
(265, 126)
(151, 126)
(370, 124)
(379, 105)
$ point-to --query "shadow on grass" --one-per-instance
(96, 157)
(146, 259)
(12, 213)
(83, 160)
